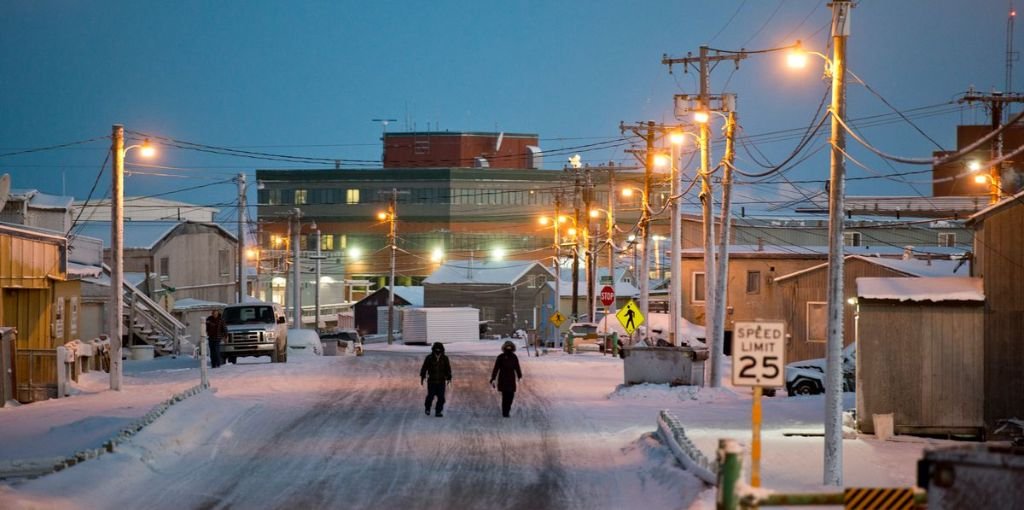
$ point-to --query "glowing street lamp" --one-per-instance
(117, 249)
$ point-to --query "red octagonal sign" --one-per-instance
(607, 295)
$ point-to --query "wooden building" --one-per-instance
(37, 300)
(367, 310)
(999, 261)
(188, 259)
(920, 354)
(803, 297)
(509, 294)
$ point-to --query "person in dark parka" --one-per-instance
(507, 372)
(436, 371)
(216, 331)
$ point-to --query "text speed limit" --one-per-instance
(759, 354)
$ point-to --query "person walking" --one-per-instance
(216, 331)
(507, 372)
(436, 372)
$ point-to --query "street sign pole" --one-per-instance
(759, 355)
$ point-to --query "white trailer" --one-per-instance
(429, 325)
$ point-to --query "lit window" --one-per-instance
(327, 242)
(352, 196)
(300, 197)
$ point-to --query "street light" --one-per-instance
(836, 68)
(117, 249)
(390, 217)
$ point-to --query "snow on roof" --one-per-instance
(803, 251)
(412, 294)
(504, 272)
(140, 234)
(909, 267)
(982, 214)
(949, 288)
(83, 270)
(182, 305)
(38, 200)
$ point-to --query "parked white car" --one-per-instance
(807, 377)
(304, 341)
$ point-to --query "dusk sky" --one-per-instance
(305, 79)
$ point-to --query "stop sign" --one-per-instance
(607, 295)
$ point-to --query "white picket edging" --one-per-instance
(673, 434)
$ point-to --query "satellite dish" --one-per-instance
(5, 189)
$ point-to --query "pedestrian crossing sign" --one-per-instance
(630, 317)
(557, 319)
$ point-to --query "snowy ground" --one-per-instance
(350, 432)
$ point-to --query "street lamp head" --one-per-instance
(594, 213)
(973, 165)
(498, 253)
(631, 238)
(354, 253)
(627, 192)
(661, 160)
(562, 218)
(147, 150)
(796, 58)
(981, 178)
(382, 216)
(701, 116)
(677, 137)
(544, 220)
(437, 255)
(571, 231)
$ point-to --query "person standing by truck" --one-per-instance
(507, 372)
(216, 331)
(436, 372)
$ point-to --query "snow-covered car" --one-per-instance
(807, 377)
(304, 341)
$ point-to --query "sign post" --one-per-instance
(759, 355)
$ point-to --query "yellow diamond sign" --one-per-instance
(557, 319)
(630, 317)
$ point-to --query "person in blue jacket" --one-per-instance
(507, 372)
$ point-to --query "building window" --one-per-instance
(851, 238)
(352, 196)
(753, 282)
(165, 268)
(947, 239)
(327, 242)
(300, 197)
(274, 197)
(697, 288)
(817, 321)
(224, 262)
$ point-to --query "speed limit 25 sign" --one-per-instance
(759, 354)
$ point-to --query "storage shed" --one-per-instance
(920, 354)
(429, 325)
(368, 317)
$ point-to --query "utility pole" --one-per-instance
(577, 191)
(558, 261)
(995, 102)
(704, 61)
(833, 462)
(117, 257)
(589, 249)
(296, 272)
(392, 206)
(242, 291)
(722, 271)
(675, 308)
(318, 258)
(611, 232)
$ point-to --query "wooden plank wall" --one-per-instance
(1001, 263)
(923, 363)
(813, 287)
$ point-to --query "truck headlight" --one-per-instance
(271, 335)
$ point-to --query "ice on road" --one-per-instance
(350, 432)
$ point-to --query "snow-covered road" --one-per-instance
(346, 432)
